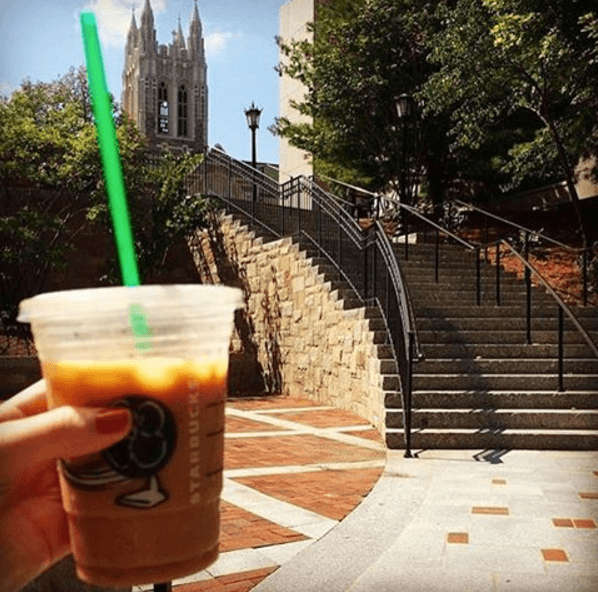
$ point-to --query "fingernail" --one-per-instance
(114, 420)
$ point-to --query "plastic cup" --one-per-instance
(147, 509)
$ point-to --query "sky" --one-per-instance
(41, 40)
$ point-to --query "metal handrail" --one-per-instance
(518, 226)
(558, 299)
(302, 207)
(563, 308)
(448, 233)
(585, 251)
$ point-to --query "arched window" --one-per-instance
(162, 109)
(183, 113)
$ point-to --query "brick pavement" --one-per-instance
(293, 469)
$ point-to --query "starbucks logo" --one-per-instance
(151, 442)
(141, 455)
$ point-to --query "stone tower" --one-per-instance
(165, 88)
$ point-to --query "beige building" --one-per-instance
(165, 88)
(294, 17)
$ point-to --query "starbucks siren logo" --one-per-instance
(141, 455)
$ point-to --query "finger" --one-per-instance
(30, 401)
(62, 432)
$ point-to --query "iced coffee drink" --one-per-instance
(146, 509)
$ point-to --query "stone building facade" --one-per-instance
(165, 88)
(295, 16)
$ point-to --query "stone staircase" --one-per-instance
(481, 385)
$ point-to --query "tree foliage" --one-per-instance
(364, 55)
(519, 66)
(509, 87)
(52, 187)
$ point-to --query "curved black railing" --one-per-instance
(529, 234)
(363, 257)
(563, 309)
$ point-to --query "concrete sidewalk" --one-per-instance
(458, 521)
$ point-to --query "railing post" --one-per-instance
(561, 350)
(299, 193)
(497, 273)
(437, 255)
(320, 225)
(528, 285)
(340, 239)
(282, 213)
(486, 240)
(585, 276)
(407, 397)
(478, 276)
(366, 286)
(406, 229)
(375, 262)
(229, 178)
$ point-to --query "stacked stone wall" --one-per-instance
(294, 336)
(295, 332)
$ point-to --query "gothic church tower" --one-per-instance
(165, 88)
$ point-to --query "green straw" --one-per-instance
(102, 109)
(113, 175)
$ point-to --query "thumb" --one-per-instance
(62, 432)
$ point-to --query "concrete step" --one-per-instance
(450, 273)
(548, 419)
(496, 337)
(495, 399)
(529, 382)
(533, 439)
(489, 323)
(463, 283)
(451, 295)
(440, 311)
(476, 366)
(377, 324)
(437, 351)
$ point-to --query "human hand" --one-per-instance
(33, 525)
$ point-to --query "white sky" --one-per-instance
(41, 39)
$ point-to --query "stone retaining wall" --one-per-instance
(295, 335)
(295, 332)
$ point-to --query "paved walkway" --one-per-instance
(295, 517)
(293, 470)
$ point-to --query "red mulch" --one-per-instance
(558, 266)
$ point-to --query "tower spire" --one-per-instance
(148, 33)
(195, 32)
(180, 36)
(133, 32)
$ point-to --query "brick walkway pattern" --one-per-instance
(293, 469)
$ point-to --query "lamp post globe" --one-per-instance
(404, 106)
(253, 117)
(253, 121)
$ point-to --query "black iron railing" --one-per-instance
(525, 237)
(413, 221)
(363, 257)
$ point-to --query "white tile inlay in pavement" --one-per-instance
(287, 515)
(293, 469)
(297, 428)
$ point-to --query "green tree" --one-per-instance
(41, 126)
(364, 55)
(52, 186)
(519, 80)
(162, 211)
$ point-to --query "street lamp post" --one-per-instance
(405, 107)
(253, 121)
